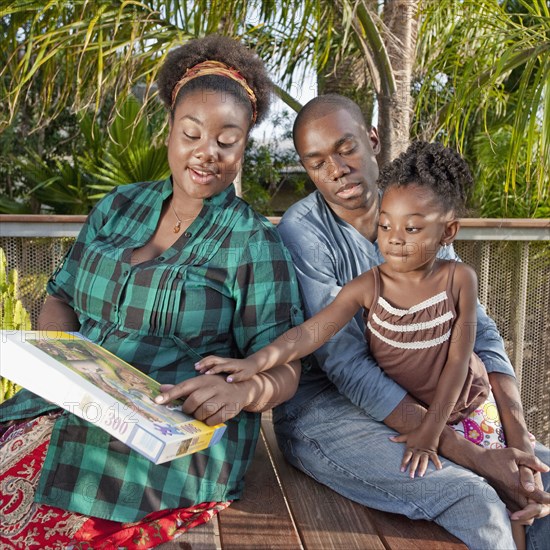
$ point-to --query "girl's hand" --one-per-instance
(240, 369)
(419, 451)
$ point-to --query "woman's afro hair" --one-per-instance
(433, 166)
(216, 48)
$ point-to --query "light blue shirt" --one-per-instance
(328, 252)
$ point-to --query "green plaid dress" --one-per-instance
(226, 287)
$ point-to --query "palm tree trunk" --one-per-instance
(349, 77)
(395, 110)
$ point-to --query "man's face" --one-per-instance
(339, 155)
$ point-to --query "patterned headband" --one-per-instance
(215, 68)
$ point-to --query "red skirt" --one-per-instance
(28, 525)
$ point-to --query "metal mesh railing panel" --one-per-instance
(514, 284)
(35, 260)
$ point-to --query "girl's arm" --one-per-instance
(422, 443)
(298, 341)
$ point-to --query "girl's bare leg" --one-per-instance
(518, 533)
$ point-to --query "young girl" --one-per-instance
(419, 310)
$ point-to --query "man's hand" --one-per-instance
(208, 398)
(534, 510)
(510, 473)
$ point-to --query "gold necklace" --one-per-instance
(177, 226)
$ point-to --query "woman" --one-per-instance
(162, 274)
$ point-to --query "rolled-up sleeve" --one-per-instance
(62, 282)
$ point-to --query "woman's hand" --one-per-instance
(209, 399)
(420, 449)
(240, 369)
(212, 400)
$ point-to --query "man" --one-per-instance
(338, 426)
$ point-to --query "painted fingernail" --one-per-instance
(229, 379)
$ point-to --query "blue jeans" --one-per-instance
(339, 445)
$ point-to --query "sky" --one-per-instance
(302, 90)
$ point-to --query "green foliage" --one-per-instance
(484, 70)
(132, 151)
(13, 315)
(56, 183)
(126, 151)
(58, 139)
(266, 164)
(482, 65)
(489, 200)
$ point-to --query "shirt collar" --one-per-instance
(223, 198)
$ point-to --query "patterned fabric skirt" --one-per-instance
(28, 525)
(483, 426)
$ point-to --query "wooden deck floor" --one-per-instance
(283, 509)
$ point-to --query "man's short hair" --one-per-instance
(323, 105)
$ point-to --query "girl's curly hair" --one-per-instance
(433, 166)
(216, 48)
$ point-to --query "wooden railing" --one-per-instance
(29, 225)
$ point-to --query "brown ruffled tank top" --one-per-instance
(411, 346)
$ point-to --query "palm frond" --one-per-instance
(495, 60)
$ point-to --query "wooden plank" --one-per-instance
(42, 218)
(537, 223)
(401, 533)
(519, 223)
(324, 519)
(328, 520)
(261, 519)
(203, 537)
